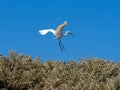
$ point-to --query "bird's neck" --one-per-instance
(65, 34)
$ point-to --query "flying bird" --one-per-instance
(57, 33)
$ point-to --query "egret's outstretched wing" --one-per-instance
(43, 32)
(60, 27)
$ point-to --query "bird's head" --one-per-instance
(68, 32)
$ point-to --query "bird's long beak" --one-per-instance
(71, 34)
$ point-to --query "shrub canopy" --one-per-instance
(20, 72)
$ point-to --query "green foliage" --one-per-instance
(20, 72)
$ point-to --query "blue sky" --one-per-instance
(94, 23)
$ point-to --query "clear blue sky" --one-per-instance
(94, 23)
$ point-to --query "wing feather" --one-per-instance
(60, 27)
(45, 31)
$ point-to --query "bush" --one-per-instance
(20, 72)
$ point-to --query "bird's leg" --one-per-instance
(60, 46)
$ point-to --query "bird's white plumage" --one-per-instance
(45, 31)
(58, 33)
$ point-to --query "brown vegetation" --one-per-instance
(20, 72)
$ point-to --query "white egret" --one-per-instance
(58, 33)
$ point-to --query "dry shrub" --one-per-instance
(21, 72)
